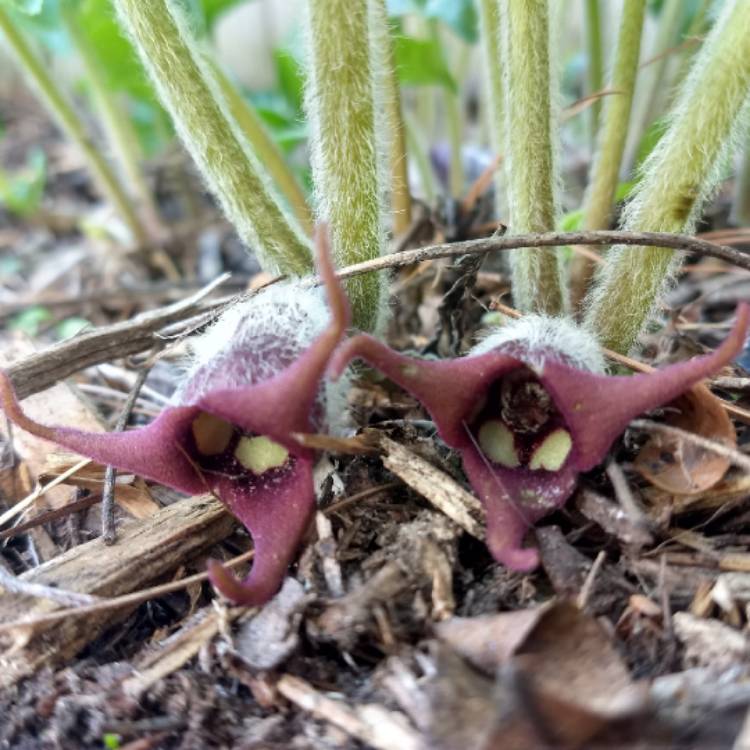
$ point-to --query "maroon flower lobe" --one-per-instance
(231, 432)
(527, 414)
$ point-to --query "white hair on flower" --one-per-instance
(543, 337)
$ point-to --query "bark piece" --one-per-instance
(146, 551)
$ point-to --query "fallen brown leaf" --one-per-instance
(678, 465)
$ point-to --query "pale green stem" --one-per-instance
(69, 122)
(741, 201)
(391, 95)
(600, 194)
(678, 177)
(530, 155)
(454, 119)
(264, 148)
(415, 141)
(118, 127)
(652, 81)
(493, 113)
(201, 117)
(595, 60)
(340, 97)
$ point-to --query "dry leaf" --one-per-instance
(678, 465)
(574, 677)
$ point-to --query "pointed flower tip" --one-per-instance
(231, 588)
(528, 416)
(232, 432)
(337, 299)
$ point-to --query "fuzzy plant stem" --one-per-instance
(264, 148)
(600, 194)
(454, 118)
(69, 122)
(391, 94)
(490, 39)
(190, 93)
(653, 75)
(678, 177)
(415, 142)
(595, 59)
(118, 127)
(529, 151)
(340, 100)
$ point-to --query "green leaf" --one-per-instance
(459, 15)
(420, 62)
(29, 7)
(30, 320)
(70, 327)
(291, 78)
(650, 138)
(624, 189)
(571, 221)
(121, 66)
(21, 192)
(212, 9)
(402, 7)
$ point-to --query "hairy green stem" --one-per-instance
(340, 99)
(600, 194)
(391, 94)
(118, 127)
(66, 117)
(490, 39)
(595, 60)
(530, 155)
(415, 141)
(678, 177)
(489, 16)
(264, 148)
(454, 115)
(191, 95)
(652, 78)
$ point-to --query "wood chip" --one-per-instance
(447, 495)
(148, 549)
(371, 724)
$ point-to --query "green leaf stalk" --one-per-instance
(489, 19)
(595, 60)
(340, 97)
(71, 124)
(600, 193)
(117, 124)
(391, 94)
(530, 152)
(265, 148)
(190, 93)
(653, 77)
(678, 177)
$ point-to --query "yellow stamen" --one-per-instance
(259, 454)
(498, 444)
(212, 435)
(553, 452)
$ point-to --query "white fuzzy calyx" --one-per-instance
(541, 337)
(257, 339)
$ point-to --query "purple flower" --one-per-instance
(529, 409)
(258, 380)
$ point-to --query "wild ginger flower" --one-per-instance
(258, 379)
(528, 409)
